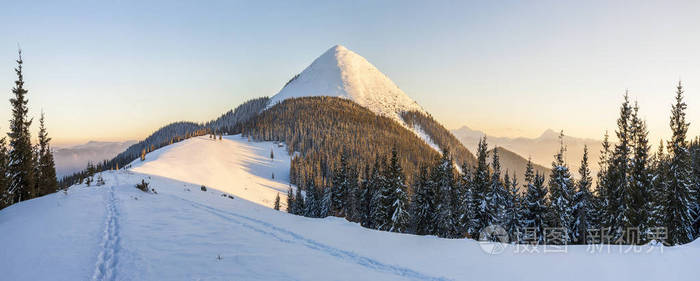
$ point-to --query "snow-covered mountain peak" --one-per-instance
(342, 73)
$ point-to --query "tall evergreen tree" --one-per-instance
(513, 221)
(311, 202)
(21, 167)
(659, 187)
(399, 199)
(299, 206)
(46, 176)
(365, 197)
(341, 184)
(276, 206)
(498, 198)
(602, 193)
(422, 208)
(560, 193)
(482, 188)
(290, 202)
(621, 196)
(466, 207)
(583, 206)
(535, 207)
(679, 217)
(443, 176)
(380, 203)
(641, 178)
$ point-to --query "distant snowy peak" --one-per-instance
(342, 73)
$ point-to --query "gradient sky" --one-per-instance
(118, 70)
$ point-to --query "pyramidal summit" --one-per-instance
(340, 72)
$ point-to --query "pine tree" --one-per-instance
(299, 206)
(621, 196)
(397, 196)
(535, 205)
(641, 177)
(466, 207)
(513, 221)
(602, 193)
(21, 169)
(46, 176)
(340, 187)
(659, 187)
(561, 193)
(422, 204)
(379, 204)
(291, 208)
(443, 176)
(365, 197)
(311, 202)
(679, 218)
(481, 186)
(277, 202)
(351, 197)
(498, 198)
(582, 201)
(325, 206)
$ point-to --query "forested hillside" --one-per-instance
(321, 129)
(440, 136)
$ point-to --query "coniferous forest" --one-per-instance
(26, 170)
(638, 196)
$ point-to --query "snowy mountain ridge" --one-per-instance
(342, 73)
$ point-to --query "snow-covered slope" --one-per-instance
(340, 72)
(233, 165)
(117, 232)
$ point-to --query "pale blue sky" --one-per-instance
(118, 70)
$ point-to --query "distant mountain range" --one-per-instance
(541, 149)
(75, 158)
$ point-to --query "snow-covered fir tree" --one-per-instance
(583, 203)
(466, 207)
(443, 176)
(311, 202)
(400, 218)
(482, 189)
(46, 171)
(21, 164)
(422, 209)
(561, 189)
(679, 213)
(340, 185)
(291, 207)
(498, 199)
(641, 176)
(380, 203)
(621, 195)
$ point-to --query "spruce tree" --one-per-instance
(582, 201)
(365, 197)
(561, 193)
(299, 206)
(46, 176)
(311, 203)
(481, 187)
(325, 204)
(641, 177)
(659, 188)
(21, 168)
(621, 196)
(498, 198)
(466, 207)
(399, 199)
(513, 221)
(290, 201)
(379, 203)
(277, 202)
(535, 206)
(341, 183)
(679, 218)
(422, 208)
(444, 181)
(603, 190)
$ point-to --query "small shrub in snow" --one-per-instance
(143, 186)
(203, 188)
(230, 196)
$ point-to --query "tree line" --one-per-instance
(638, 195)
(26, 170)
